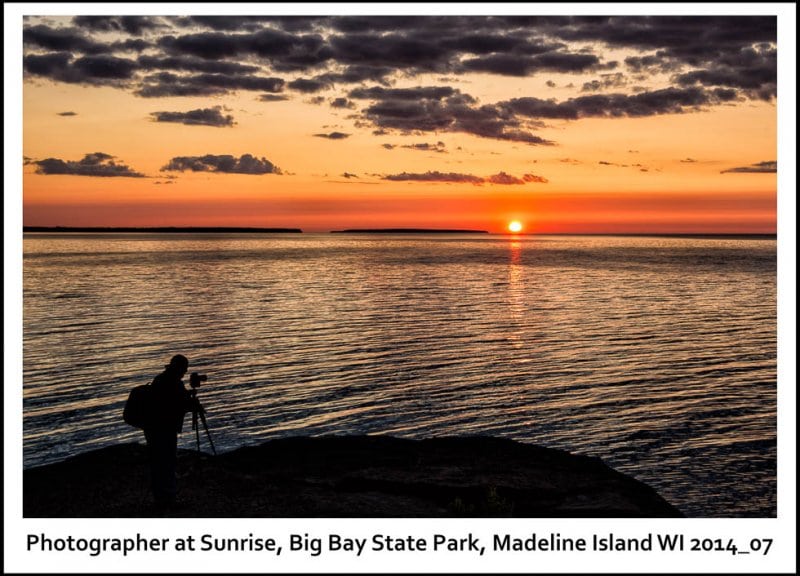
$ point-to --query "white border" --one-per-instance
(782, 529)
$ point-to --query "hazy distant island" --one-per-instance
(348, 476)
(406, 231)
(163, 229)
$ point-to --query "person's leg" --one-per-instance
(162, 447)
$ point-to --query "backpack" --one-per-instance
(138, 411)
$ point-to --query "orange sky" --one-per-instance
(612, 146)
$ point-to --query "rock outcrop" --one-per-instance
(349, 476)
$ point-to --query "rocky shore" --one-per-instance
(348, 476)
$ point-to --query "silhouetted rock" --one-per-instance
(353, 476)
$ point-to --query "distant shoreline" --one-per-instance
(406, 231)
(160, 229)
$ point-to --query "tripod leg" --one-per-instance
(205, 427)
(196, 429)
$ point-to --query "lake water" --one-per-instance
(656, 354)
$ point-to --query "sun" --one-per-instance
(515, 226)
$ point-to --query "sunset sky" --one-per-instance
(657, 124)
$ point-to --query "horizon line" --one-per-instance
(410, 230)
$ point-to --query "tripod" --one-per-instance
(200, 412)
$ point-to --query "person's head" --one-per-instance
(178, 365)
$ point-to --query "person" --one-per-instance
(171, 402)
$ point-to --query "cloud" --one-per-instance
(616, 80)
(349, 175)
(225, 163)
(201, 117)
(688, 160)
(434, 176)
(501, 178)
(694, 62)
(67, 113)
(286, 52)
(307, 86)
(535, 178)
(135, 25)
(516, 65)
(61, 39)
(96, 70)
(273, 97)
(356, 74)
(441, 109)
(753, 70)
(651, 103)
(426, 147)
(94, 164)
(767, 167)
(333, 135)
(404, 94)
(168, 84)
(191, 64)
(342, 103)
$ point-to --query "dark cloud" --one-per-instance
(273, 97)
(61, 39)
(767, 167)
(94, 164)
(419, 53)
(130, 45)
(707, 61)
(516, 65)
(201, 117)
(192, 64)
(418, 93)
(349, 175)
(225, 163)
(651, 103)
(168, 84)
(426, 147)
(652, 64)
(754, 70)
(67, 113)
(616, 80)
(443, 109)
(501, 178)
(333, 135)
(284, 51)
(105, 67)
(389, 146)
(356, 74)
(342, 103)
(96, 70)
(134, 25)
(229, 23)
(688, 160)
(307, 86)
(435, 177)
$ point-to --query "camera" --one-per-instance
(196, 378)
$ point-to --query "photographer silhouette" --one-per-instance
(171, 402)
